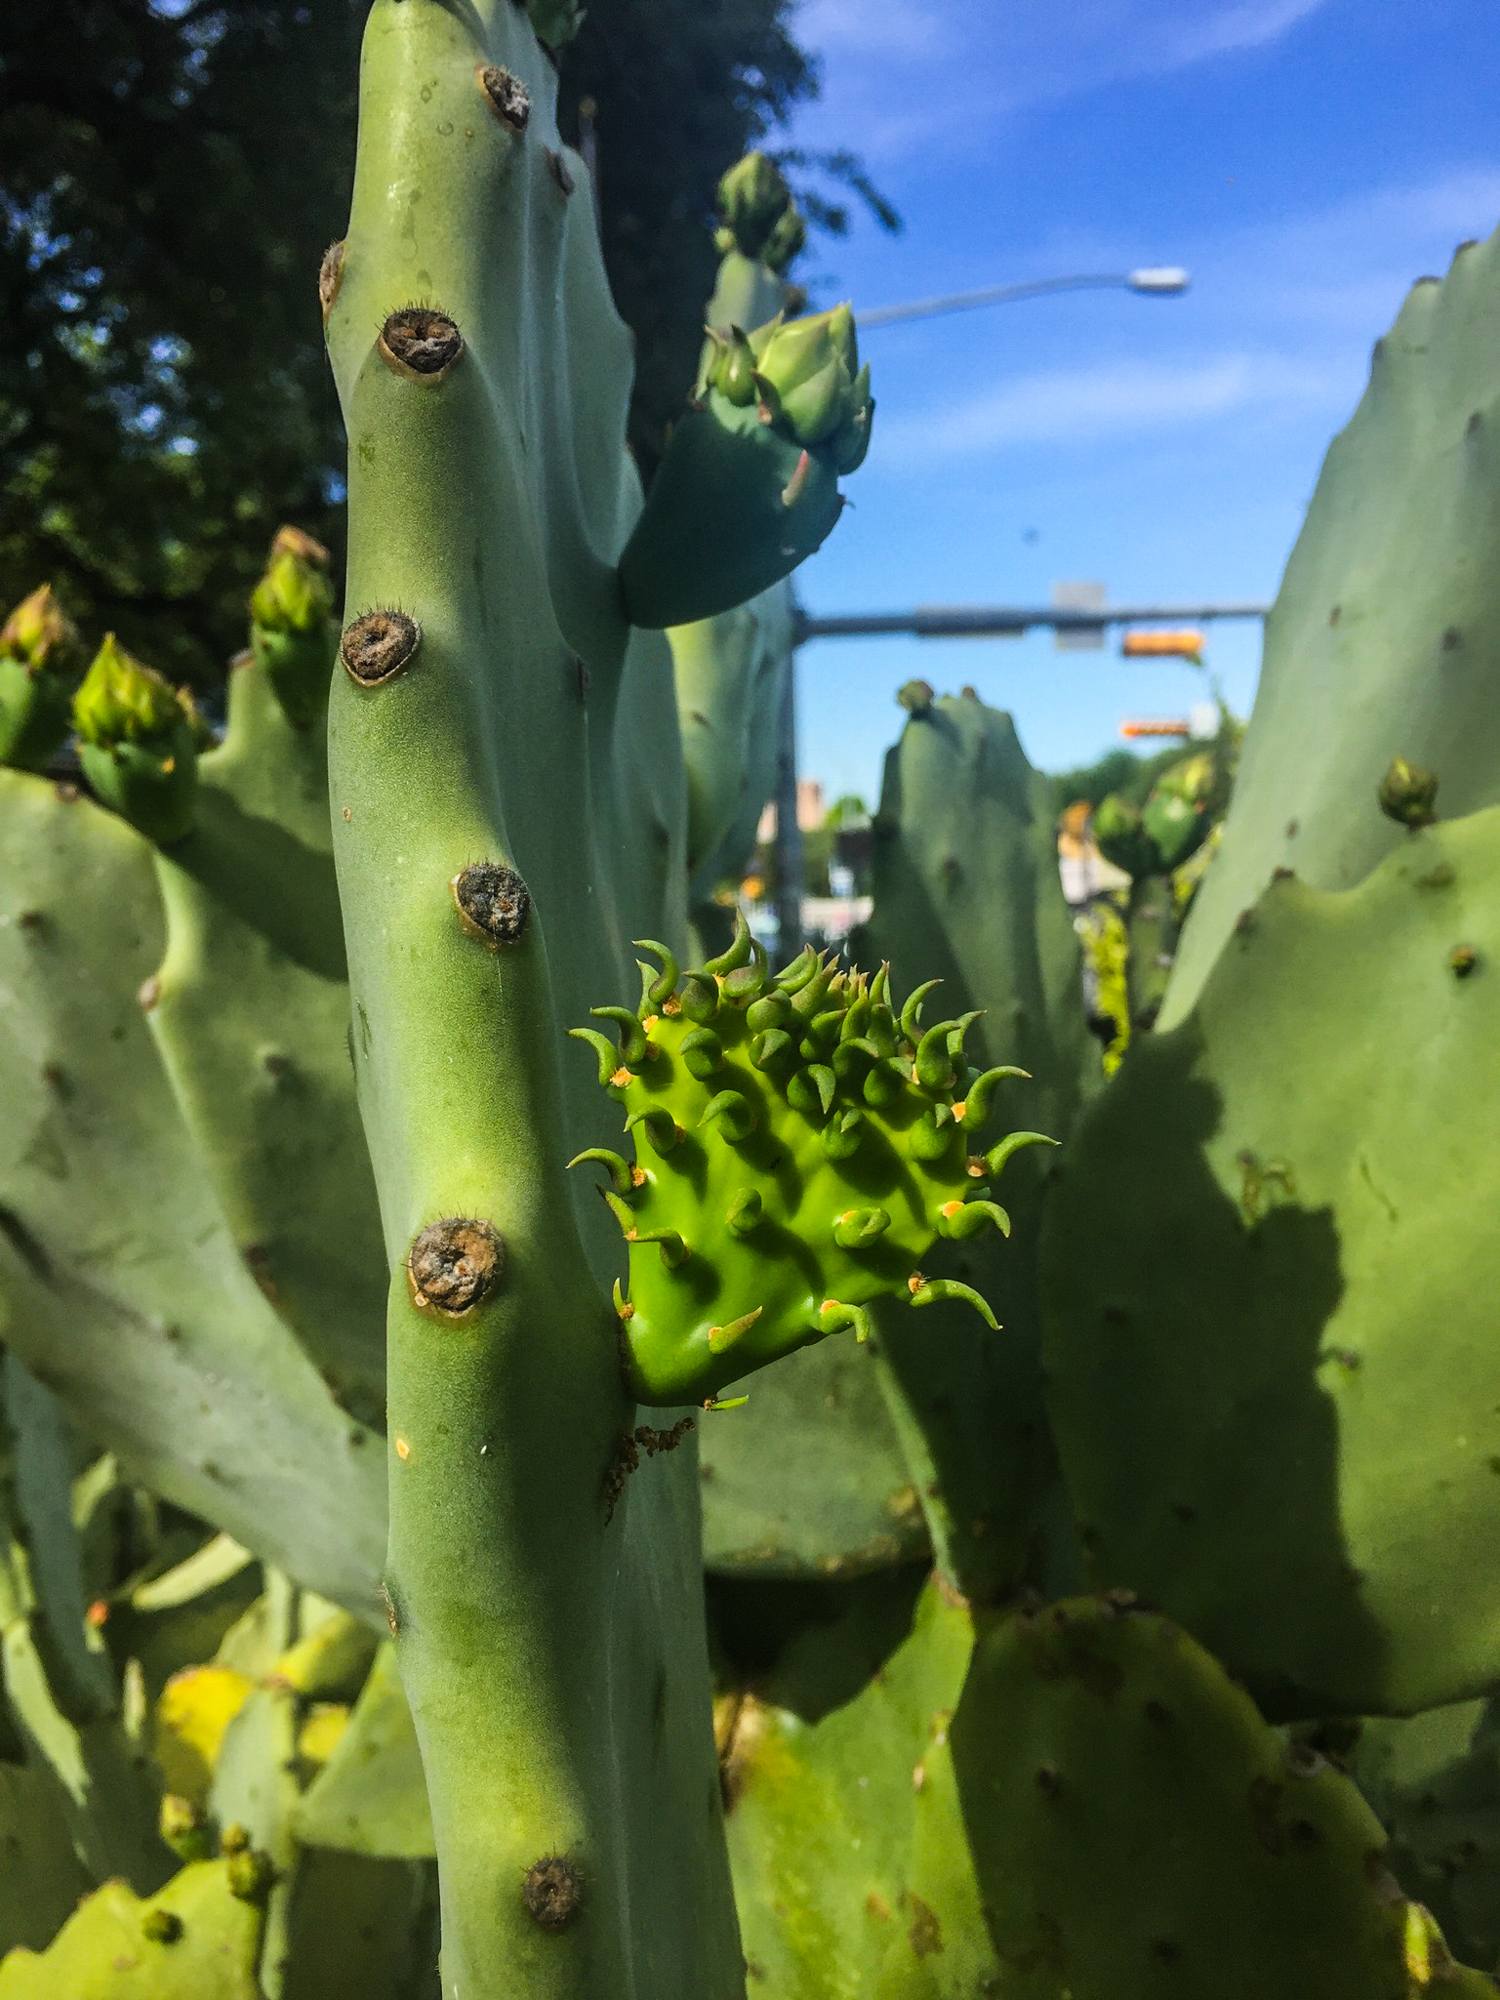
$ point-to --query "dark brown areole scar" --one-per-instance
(493, 903)
(553, 1892)
(506, 96)
(420, 343)
(377, 646)
(454, 1265)
(330, 277)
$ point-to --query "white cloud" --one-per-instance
(1089, 403)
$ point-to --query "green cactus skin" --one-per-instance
(966, 887)
(1137, 1829)
(119, 1284)
(370, 1797)
(799, 1148)
(136, 744)
(38, 651)
(194, 1939)
(850, 1856)
(488, 504)
(1435, 1783)
(42, 1878)
(1268, 1266)
(60, 1693)
(250, 1010)
(1382, 639)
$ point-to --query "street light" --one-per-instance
(1162, 281)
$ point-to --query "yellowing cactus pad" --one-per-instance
(800, 1143)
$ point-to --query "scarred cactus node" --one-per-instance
(376, 647)
(561, 172)
(330, 278)
(553, 1892)
(251, 1874)
(454, 1266)
(161, 1926)
(506, 96)
(493, 902)
(421, 343)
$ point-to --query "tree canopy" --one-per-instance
(174, 169)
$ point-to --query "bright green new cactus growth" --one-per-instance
(137, 744)
(38, 649)
(800, 1144)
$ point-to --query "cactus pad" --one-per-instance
(1137, 1829)
(198, 1937)
(799, 1146)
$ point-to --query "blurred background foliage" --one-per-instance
(172, 172)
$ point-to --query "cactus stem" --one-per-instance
(378, 645)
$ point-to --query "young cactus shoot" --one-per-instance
(800, 1144)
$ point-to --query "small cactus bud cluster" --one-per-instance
(800, 1144)
(804, 376)
(137, 743)
(292, 630)
(39, 662)
(1174, 822)
(758, 217)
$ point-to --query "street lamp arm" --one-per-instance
(1163, 281)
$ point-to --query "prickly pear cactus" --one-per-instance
(1385, 635)
(1267, 1269)
(1137, 1829)
(800, 1144)
(966, 888)
(39, 668)
(200, 1935)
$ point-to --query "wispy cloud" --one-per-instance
(966, 61)
(1086, 404)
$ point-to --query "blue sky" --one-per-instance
(1305, 159)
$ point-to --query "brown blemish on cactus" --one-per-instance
(161, 1926)
(453, 1266)
(30, 920)
(1462, 960)
(553, 1891)
(493, 902)
(148, 993)
(391, 1616)
(627, 1457)
(1047, 1781)
(560, 171)
(330, 277)
(506, 96)
(926, 1933)
(377, 646)
(420, 343)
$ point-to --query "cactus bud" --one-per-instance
(1122, 838)
(137, 746)
(184, 1828)
(916, 697)
(754, 201)
(292, 629)
(1408, 793)
(38, 672)
(786, 240)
